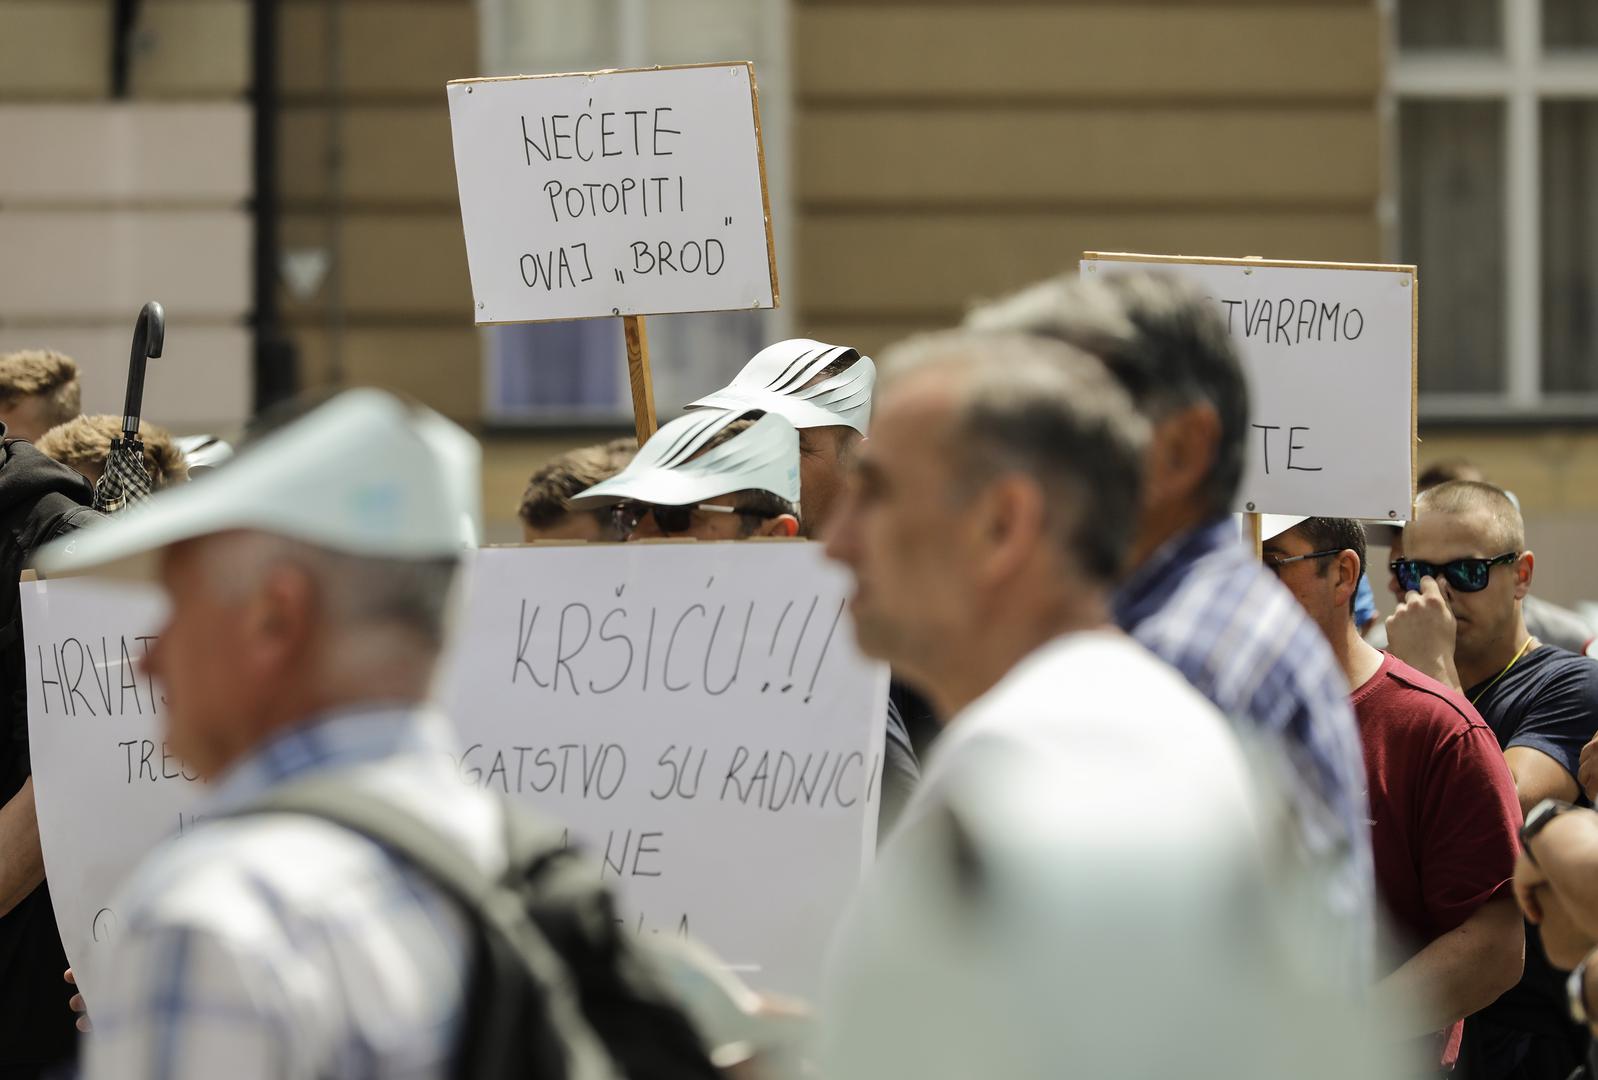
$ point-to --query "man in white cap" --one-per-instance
(725, 475)
(822, 390)
(308, 592)
(710, 475)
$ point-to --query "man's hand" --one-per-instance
(77, 1005)
(1564, 940)
(1587, 772)
(1421, 633)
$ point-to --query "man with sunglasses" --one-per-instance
(1443, 811)
(1466, 572)
(710, 475)
(718, 474)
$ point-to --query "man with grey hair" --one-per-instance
(991, 511)
(1193, 596)
(308, 598)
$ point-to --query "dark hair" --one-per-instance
(1441, 472)
(1506, 524)
(551, 489)
(1051, 413)
(1336, 534)
(1164, 341)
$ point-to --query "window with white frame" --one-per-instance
(572, 372)
(1497, 200)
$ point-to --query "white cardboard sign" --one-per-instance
(613, 193)
(697, 714)
(1329, 351)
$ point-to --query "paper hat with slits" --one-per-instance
(364, 474)
(774, 381)
(666, 472)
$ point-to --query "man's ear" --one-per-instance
(1182, 452)
(282, 615)
(1010, 517)
(784, 525)
(1523, 571)
(1348, 573)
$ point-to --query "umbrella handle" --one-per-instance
(149, 335)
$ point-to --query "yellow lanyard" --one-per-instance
(1530, 641)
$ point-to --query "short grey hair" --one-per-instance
(357, 591)
(1050, 412)
(1166, 343)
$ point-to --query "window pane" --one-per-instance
(1451, 24)
(1570, 24)
(1451, 206)
(1570, 246)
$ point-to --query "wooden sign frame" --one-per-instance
(1252, 520)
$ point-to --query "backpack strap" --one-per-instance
(518, 981)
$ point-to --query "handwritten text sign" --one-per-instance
(697, 714)
(613, 193)
(106, 787)
(1329, 355)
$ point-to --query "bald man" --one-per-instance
(1466, 572)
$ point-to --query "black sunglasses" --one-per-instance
(625, 516)
(1275, 562)
(1466, 575)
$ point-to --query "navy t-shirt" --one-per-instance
(1548, 701)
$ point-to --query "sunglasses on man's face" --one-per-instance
(668, 519)
(1465, 575)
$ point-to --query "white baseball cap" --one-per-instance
(364, 474)
(666, 472)
(774, 381)
(1271, 525)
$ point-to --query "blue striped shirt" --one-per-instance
(1208, 609)
(281, 947)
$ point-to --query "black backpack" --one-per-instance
(558, 991)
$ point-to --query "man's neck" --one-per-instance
(1007, 639)
(1478, 668)
(1162, 524)
(1358, 659)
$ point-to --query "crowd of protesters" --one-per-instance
(1153, 804)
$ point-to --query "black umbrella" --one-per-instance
(126, 481)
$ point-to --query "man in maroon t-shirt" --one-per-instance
(1444, 814)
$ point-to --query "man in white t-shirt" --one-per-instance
(989, 517)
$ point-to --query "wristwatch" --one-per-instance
(1576, 991)
(1538, 820)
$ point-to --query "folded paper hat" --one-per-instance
(775, 381)
(666, 472)
(364, 474)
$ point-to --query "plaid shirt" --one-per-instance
(285, 947)
(1208, 609)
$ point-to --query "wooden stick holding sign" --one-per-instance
(637, 335)
(614, 193)
(1329, 352)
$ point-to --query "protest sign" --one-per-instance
(106, 788)
(696, 714)
(1329, 352)
(700, 717)
(614, 193)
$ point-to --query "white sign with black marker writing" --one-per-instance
(106, 786)
(1329, 355)
(613, 193)
(701, 718)
(697, 714)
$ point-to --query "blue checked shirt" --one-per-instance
(1211, 611)
(285, 947)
